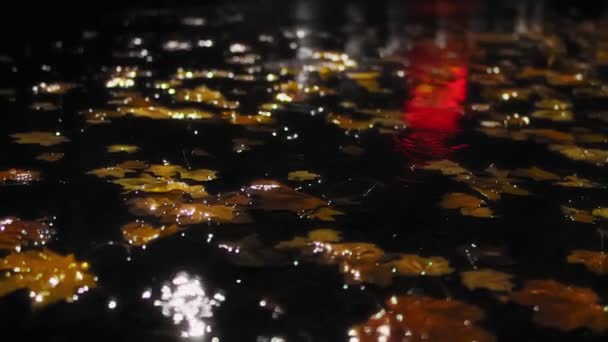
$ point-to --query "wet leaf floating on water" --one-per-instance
(457, 200)
(536, 174)
(271, 195)
(245, 144)
(363, 262)
(554, 115)
(50, 157)
(563, 307)
(574, 181)
(302, 175)
(553, 104)
(487, 279)
(421, 318)
(173, 207)
(415, 265)
(468, 205)
(122, 148)
(139, 233)
(594, 261)
(367, 80)
(238, 119)
(200, 175)
(325, 235)
(165, 113)
(49, 277)
(16, 234)
(587, 155)
(18, 176)
(324, 214)
(168, 171)
(120, 170)
(100, 116)
(600, 212)
(203, 94)
(39, 138)
(151, 184)
(58, 88)
(446, 167)
(578, 215)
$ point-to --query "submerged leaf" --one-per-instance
(50, 277)
(420, 318)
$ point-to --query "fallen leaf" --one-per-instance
(536, 174)
(50, 157)
(600, 212)
(575, 181)
(415, 265)
(203, 94)
(122, 148)
(39, 138)
(271, 195)
(139, 233)
(324, 214)
(19, 176)
(302, 175)
(487, 279)
(553, 115)
(50, 277)
(596, 262)
(245, 119)
(16, 234)
(578, 215)
(587, 155)
(563, 307)
(421, 318)
(446, 167)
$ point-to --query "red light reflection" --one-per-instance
(435, 107)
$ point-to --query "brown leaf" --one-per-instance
(487, 279)
(16, 234)
(19, 176)
(596, 262)
(420, 318)
(563, 307)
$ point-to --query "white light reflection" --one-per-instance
(184, 300)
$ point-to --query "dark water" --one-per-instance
(374, 176)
